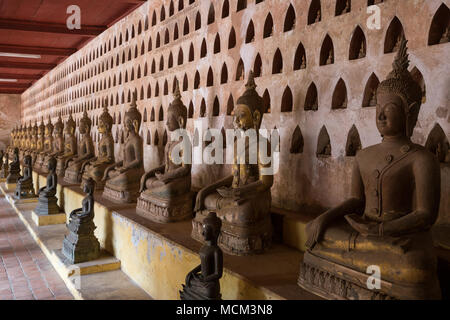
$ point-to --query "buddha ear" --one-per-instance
(136, 126)
(411, 117)
(181, 122)
(256, 117)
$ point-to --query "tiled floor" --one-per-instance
(25, 272)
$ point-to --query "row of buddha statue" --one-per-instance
(385, 221)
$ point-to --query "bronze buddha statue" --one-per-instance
(202, 283)
(25, 187)
(166, 190)
(243, 199)
(123, 178)
(86, 153)
(39, 146)
(14, 168)
(70, 147)
(48, 202)
(385, 223)
(58, 142)
(95, 169)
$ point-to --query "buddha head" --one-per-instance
(89, 186)
(177, 112)
(49, 127)
(105, 121)
(399, 98)
(211, 227)
(85, 124)
(41, 128)
(249, 107)
(59, 126)
(27, 160)
(132, 119)
(34, 130)
(69, 129)
(51, 165)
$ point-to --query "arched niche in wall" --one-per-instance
(358, 45)
(191, 110)
(185, 82)
(197, 80)
(241, 5)
(156, 139)
(230, 105)
(149, 138)
(440, 26)
(353, 144)
(170, 62)
(340, 96)
(232, 39)
(268, 26)
(277, 64)
(198, 21)
(289, 19)
(323, 144)
(216, 107)
(266, 101)
(370, 92)
(297, 141)
(240, 71)
(203, 108)
(217, 44)
(327, 51)
(210, 78)
(287, 100)
(250, 36)
(300, 57)
(180, 57)
(224, 74)
(164, 141)
(257, 66)
(315, 12)
(418, 77)
(342, 7)
(152, 115)
(171, 8)
(186, 27)
(161, 114)
(394, 35)
(311, 100)
(203, 49)
(437, 144)
(211, 14)
(225, 9)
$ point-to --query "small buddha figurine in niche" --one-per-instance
(58, 142)
(48, 202)
(86, 153)
(243, 199)
(81, 245)
(4, 172)
(303, 64)
(123, 178)
(14, 168)
(330, 59)
(397, 43)
(39, 146)
(97, 166)
(373, 98)
(202, 283)
(70, 147)
(25, 187)
(166, 191)
(445, 36)
(362, 51)
(318, 15)
(386, 220)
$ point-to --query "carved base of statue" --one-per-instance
(324, 270)
(165, 210)
(47, 205)
(72, 174)
(192, 294)
(81, 245)
(24, 190)
(121, 196)
(240, 236)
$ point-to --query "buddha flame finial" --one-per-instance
(177, 94)
(251, 85)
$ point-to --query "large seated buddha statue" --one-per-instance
(95, 169)
(243, 199)
(12, 144)
(123, 178)
(86, 152)
(39, 146)
(33, 143)
(70, 147)
(377, 243)
(166, 191)
(58, 143)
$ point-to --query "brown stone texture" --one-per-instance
(122, 60)
(9, 116)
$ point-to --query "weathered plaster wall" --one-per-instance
(9, 116)
(304, 181)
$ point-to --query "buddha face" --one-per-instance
(391, 118)
(243, 117)
(101, 127)
(174, 121)
(82, 128)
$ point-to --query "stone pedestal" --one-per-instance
(14, 200)
(189, 294)
(10, 187)
(164, 210)
(81, 245)
(72, 176)
(47, 206)
(48, 219)
(128, 196)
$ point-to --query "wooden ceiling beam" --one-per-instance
(27, 65)
(20, 76)
(14, 85)
(35, 26)
(64, 52)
